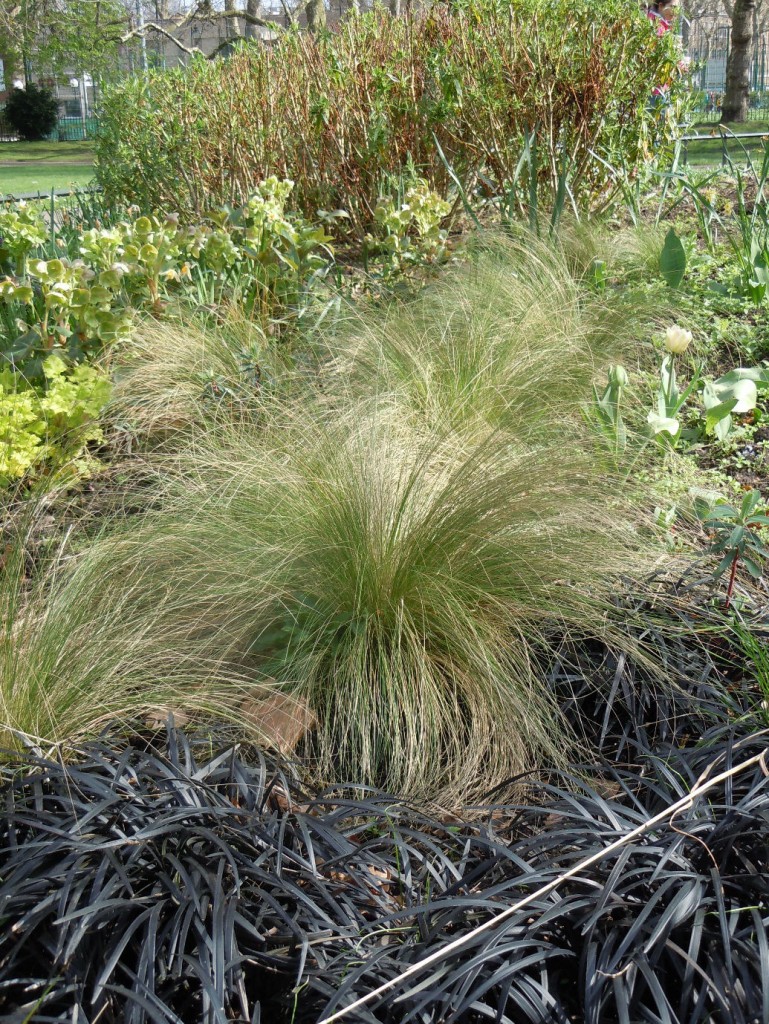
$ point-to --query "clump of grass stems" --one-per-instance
(191, 370)
(399, 582)
(397, 565)
(631, 254)
(70, 658)
(513, 343)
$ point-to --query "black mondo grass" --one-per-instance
(176, 883)
(673, 927)
(148, 886)
(615, 705)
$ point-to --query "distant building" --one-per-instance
(212, 35)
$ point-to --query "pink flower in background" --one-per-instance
(660, 23)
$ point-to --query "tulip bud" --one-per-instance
(677, 340)
(618, 376)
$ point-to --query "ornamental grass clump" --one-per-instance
(185, 373)
(393, 550)
(400, 583)
(512, 342)
(71, 657)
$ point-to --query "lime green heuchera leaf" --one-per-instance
(53, 425)
(76, 396)
(21, 431)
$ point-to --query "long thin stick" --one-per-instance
(697, 790)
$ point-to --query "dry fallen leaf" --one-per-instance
(159, 718)
(280, 719)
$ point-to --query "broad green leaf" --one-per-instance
(750, 500)
(710, 397)
(724, 564)
(735, 537)
(704, 502)
(758, 374)
(21, 347)
(722, 510)
(723, 428)
(743, 392)
(755, 290)
(719, 416)
(673, 260)
(753, 567)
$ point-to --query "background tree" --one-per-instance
(316, 15)
(33, 112)
(53, 37)
(253, 8)
(737, 94)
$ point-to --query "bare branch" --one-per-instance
(292, 13)
(202, 12)
(151, 26)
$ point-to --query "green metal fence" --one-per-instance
(73, 129)
(69, 129)
(710, 110)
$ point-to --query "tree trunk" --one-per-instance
(252, 8)
(754, 46)
(232, 25)
(735, 105)
(316, 16)
(395, 8)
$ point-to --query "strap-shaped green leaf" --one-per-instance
(673, 260)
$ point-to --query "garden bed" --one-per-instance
(383, 588)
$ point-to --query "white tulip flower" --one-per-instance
(677, 340)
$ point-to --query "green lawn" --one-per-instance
(42, 179)
(41, 166)
(709, 152)
(46, 152)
